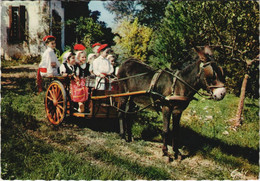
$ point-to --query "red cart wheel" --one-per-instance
(56, 102)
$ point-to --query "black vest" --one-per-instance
(68, 70)
(84, 72)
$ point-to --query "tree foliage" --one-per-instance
(122, 9)
(229, 26)
(149, 13)
(132, 40)
(88, 31)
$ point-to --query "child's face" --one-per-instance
(82, 58)
(51, 44)
(105, 52)
(112, 61)
(72, 60)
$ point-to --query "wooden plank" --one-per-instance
(119, 95)
(77, 114)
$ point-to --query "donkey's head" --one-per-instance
(211, 76)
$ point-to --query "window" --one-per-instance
(16, 33)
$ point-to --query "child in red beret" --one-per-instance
(49, 64)
(102, 66)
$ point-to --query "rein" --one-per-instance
(160, 97)
(175, 76)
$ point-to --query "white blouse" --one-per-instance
(48, 57)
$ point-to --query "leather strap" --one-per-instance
(154, 80)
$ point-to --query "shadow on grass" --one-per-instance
(195, 142)
(18, 70)
(20, 86)
(103, 125)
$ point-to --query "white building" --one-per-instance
(25, 23)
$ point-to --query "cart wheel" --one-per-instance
(56, 102)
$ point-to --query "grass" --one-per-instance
(33, 149)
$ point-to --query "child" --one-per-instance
(82, 65)
(91, 58)
(49, 64)
(68, 67)
(112, 60)
(102, 67)
(95, 48)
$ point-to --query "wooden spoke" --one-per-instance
(58, 110)
(59, 106)
(49, 98)
(58, 93)
(60, 97)
(50, 91)
(59, 114)
(54, 117)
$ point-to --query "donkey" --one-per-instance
(170, 92)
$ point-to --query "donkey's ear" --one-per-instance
(202, 56)
(207, 50)
(197, 49)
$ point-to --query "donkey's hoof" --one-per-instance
(170, 159)
(178, 157)
(165, 153)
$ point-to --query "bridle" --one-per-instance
(209, 88)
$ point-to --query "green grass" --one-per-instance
(33, 149)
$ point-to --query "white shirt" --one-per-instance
(48, 57)
(102, 65)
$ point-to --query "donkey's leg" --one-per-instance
(166, 121)
(175, 129)
(122, 118)
(129, 118)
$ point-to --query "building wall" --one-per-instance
(38, 21)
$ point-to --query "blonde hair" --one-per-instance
(78, 53)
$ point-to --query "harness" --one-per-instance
(173, 96)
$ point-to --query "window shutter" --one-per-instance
(10, 29)
(22, 23)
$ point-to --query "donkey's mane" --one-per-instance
(189, 68)
(138, 61)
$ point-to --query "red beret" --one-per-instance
(47, 37)
(96, 44)
(79, 47)
(102, 47)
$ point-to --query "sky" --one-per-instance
(105, 15)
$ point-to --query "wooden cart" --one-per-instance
(101, 103)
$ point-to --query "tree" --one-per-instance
(132, 40)
(149, 13)
(238, 118)
(122, 9)
(231, 27)
(87, 31)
